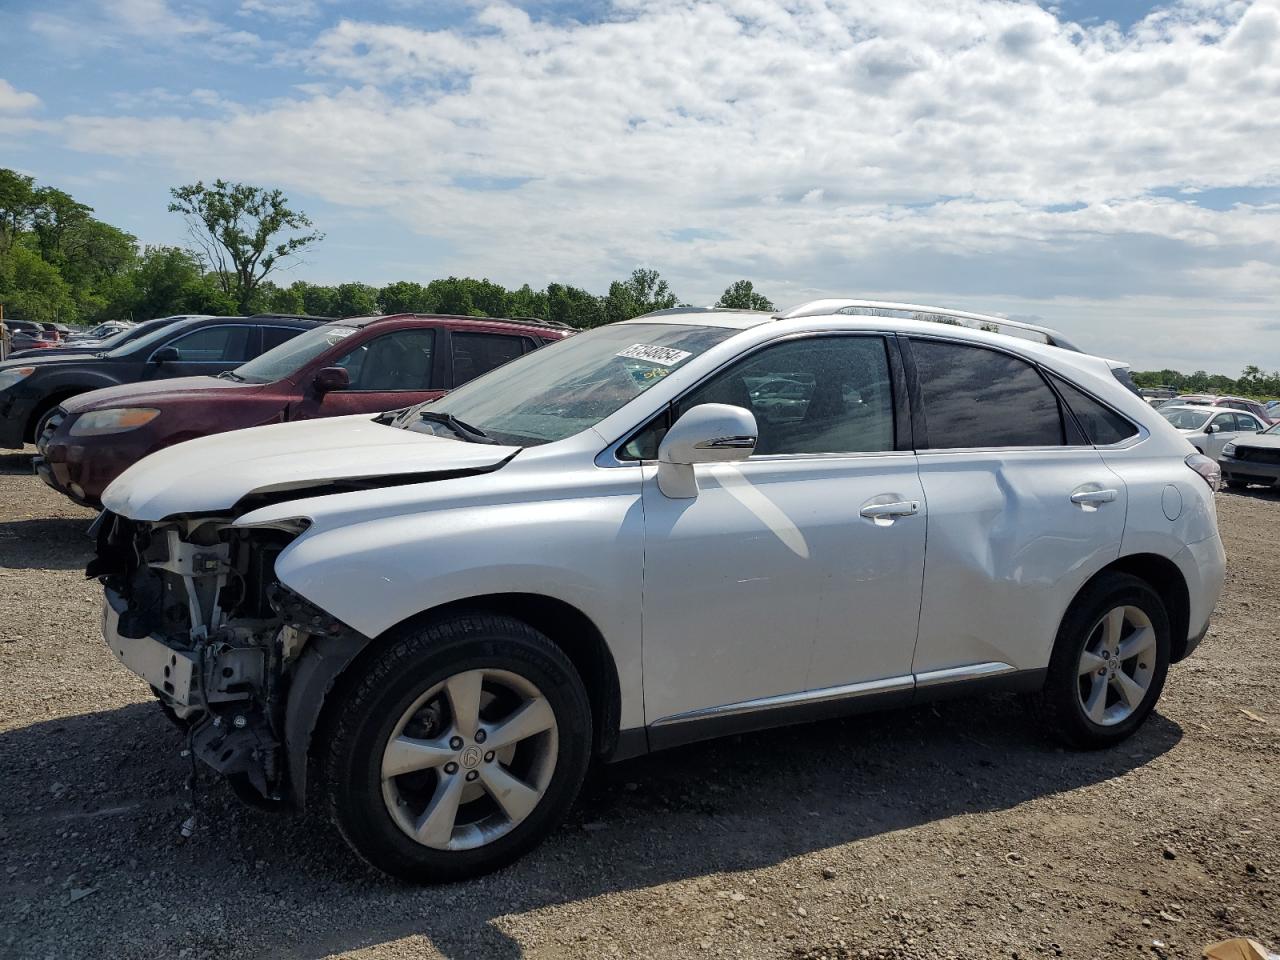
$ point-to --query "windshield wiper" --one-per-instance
(464, 430)
(230, 375)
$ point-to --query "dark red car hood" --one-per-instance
(158, 392)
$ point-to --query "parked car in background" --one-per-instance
(31, 389)
(1214, 400)
(29, 335)
(427, 623)
(101, 331)
(359, 365)
(1211, 428)
(1252, 459)
(110, 343)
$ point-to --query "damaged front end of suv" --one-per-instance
(192, 605)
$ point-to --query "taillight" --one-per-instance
(1208, 469)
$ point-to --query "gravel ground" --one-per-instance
(951, 830)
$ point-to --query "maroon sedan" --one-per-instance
(359, 365)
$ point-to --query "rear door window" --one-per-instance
(272, 337)
(477, 353)
(977, 397)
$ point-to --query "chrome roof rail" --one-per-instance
(916, 311)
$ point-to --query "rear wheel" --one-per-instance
(1109, 662)
(457, 748)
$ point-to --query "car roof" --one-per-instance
(524, 325)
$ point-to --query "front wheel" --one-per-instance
(457, 748)
(1109, 663)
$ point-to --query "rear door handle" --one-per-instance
(1094, 496)
(887, 511)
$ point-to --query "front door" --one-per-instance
(206, 352)
(388, 371)
(798, 570)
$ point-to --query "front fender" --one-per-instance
(585, 551)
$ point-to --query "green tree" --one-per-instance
(643, 292)
(166, 281)
(574, 306)
(241, 230)
(33, 289)
(17, 206)
(355, 300)
(741, 295)
(404, 296)
(527, 302)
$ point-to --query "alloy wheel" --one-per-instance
(1117, 665)
(470, 759)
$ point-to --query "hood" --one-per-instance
(265, 464)
(1267, 441)
(41, 357)
(156, 391)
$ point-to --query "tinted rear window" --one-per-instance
(975, 397)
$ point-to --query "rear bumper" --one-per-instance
(1204, 567)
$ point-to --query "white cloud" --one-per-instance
(280, 9)
(986, 145)
(13, 100)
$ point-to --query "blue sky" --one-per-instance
(1104, 167)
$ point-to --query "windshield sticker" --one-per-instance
(668, 356)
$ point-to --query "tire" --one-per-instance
(419, 682)
(1069, 692)
(42, 420)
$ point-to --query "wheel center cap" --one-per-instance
(1113, 667)
(471, 757)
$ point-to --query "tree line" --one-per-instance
(1252, 382)
(59, 263)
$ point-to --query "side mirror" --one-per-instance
(708, 433)
(332, 378)
(166, 355)
(1211, 428)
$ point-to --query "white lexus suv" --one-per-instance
(427, 623)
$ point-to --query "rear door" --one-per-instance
(387, 371)
(1022, 510)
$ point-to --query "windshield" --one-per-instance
(564, 388)
(279, 362)
(1187, 419)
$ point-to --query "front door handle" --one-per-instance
(886, 512)
(1086, 497)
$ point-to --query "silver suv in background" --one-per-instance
(427, 622)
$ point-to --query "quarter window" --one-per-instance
(1102, 425)
(975, 397)
(229, 344)
(393, 361)
(477, 353)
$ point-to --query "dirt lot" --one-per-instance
(952, 830)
